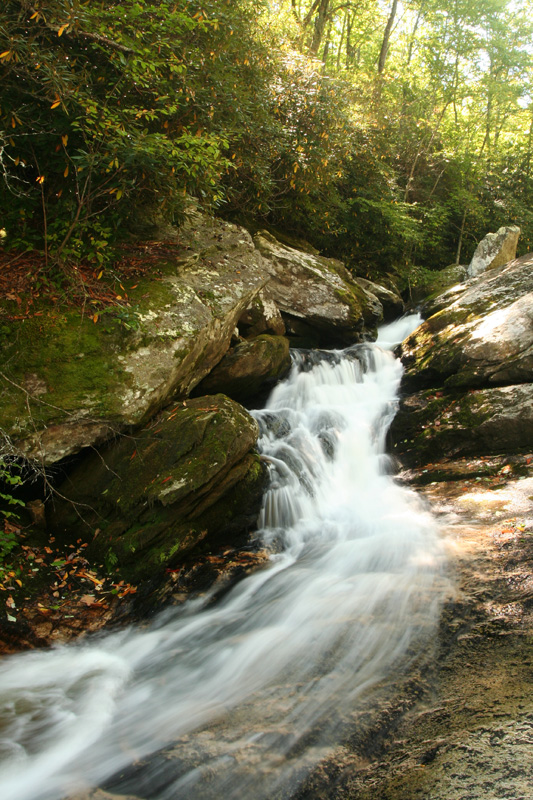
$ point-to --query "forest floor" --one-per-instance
(470, 734)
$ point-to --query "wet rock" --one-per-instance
(430, 426)
(249, 367)
(150, 499)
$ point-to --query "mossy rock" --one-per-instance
(433, 425)
(150, 499)
(72, 380)
(484, 338)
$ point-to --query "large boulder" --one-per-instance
(317, 293)
(150, 499)
(430, 425)
(69, 382)
(469, 369)
(495, 250)
(249, 368)
(484, 338)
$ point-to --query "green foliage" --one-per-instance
(9, 478)
(110, 113)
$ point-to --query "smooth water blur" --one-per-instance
(248, 694)
(395, 332)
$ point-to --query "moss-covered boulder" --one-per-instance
(317, 295)
(248, 368)
(150, 499)
(69, 381)
(484, 338)
(431, 426)
(469, 371)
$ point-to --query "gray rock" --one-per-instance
(495, 250)
(318, 291)
(262, 316)
(391, 302)
(483, 338)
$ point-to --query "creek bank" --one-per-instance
(468, 733)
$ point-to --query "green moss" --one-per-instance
(60, 363)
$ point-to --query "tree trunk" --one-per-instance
(386, 37)
(320, 25)
(460, 242)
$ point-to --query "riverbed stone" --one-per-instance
(189, 476)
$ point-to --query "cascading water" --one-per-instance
(242, 697)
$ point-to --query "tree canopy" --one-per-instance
(394, 135)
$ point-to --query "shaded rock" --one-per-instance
(249, 368)
(318, 291)
(483, 338)
(152, 498)
(68, 383)
(262, 316)
(430, 426)
(391, 302)
(495, 250)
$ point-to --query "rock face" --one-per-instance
(262, 316)
(70, 383)
(391, 302)
(495, 250)
(470, 367)
(317, 294)
(151, 498)
(249, 368)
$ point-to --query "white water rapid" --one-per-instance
(240, 698)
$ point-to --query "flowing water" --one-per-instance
(241, 697)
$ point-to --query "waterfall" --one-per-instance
(240, 698)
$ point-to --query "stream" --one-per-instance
(242, 697)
